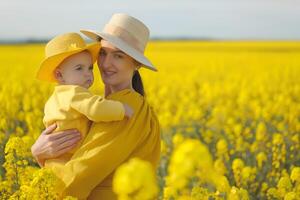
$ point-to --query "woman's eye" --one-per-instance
(79, 68)
(118, 56)
(91, 68)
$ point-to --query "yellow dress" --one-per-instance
(72, 107)
(89, 173)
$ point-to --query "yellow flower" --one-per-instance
(222, 184)
(261, 132)
(261, 158)
(200, 193)
(43, 186)
(238, 194)
(222, 147)
(177, 139)
(187, 155)
(220, 167)
(246, 172)
(284, 186)
(237, 164)
(135, 180)
(291, 196)
(272, 193)
(169, 192)
(277, 139)
(295, 175)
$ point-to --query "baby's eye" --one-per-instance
(102, 53)
(78, 68)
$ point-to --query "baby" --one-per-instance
(69, 62)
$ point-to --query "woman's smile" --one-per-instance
(108, 73)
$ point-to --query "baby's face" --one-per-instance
(76, 70)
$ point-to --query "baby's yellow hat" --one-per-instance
(61, 47)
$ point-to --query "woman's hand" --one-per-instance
(49, 146)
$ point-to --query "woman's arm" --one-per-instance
(49, 146)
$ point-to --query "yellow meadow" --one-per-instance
(229, 113)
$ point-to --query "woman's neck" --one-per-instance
(117, 88)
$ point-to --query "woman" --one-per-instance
(90, 171)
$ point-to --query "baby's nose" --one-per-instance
(89, 74)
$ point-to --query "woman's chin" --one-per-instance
(108, 81)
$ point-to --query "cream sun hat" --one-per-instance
(127, 34)
(61, 47)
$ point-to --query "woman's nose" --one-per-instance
(105, 62)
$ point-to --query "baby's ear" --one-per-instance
(58, 75)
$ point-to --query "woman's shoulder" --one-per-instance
(133, 99)
(127, 96)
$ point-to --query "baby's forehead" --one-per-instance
(83, 58)
(84, 52)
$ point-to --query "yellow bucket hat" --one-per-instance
(61, 47)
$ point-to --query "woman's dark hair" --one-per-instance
(137, 83)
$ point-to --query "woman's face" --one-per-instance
(115, 66)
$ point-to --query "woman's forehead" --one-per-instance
(108, 47)
(106, 44)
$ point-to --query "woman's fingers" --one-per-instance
(49, 129)
(54, 146)
(71, 142)
(48, 145)
(69, 137)
(62, 134)
(66, 147)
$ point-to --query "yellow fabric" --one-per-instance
(72, 106)
(89, 173)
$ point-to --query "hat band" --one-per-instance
(124, 35)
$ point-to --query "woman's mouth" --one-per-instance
(108, 73)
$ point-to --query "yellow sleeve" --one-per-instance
(96, 108)
(103, 151)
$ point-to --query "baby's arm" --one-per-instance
(97, 108)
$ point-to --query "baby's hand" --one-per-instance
(128, 111)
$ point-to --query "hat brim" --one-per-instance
(120, 44)
(47, 67)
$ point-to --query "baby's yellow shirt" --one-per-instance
(74, 107)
